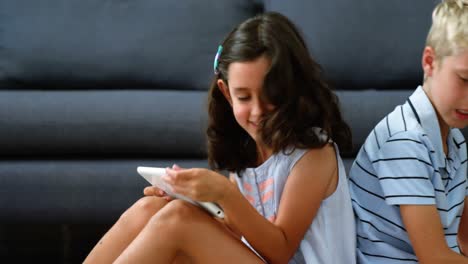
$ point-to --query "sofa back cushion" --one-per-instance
(113, 44)
(367, 44)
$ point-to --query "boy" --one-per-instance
(409, 181)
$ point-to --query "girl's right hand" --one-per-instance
(155, 191)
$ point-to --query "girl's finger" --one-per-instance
(168, 198)
(174, 177)
(149, 190)
(168, 179)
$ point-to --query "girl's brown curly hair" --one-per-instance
(294, 84)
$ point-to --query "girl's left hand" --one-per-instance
(198, 184)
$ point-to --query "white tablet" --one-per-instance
(153, 176)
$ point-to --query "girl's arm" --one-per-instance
(313, 178)
(426, 233)
(463, 230)
(226, 221)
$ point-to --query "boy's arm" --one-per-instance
(463, 230)
(426, 233)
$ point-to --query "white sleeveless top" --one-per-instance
(331, 237)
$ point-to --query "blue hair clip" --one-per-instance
(216, 59)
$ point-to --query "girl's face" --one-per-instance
(244, 93)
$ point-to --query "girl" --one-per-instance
(272, 119)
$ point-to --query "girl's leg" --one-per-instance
(125, 230)
(181, 228)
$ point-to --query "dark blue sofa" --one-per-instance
(90, 89)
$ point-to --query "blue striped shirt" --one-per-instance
(402, 162)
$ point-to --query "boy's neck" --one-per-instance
(444, 128)
(444, 133)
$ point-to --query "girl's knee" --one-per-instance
(149, 205)
(142, 210)
(175, 214)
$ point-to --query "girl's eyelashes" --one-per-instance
(462, 78)
(243, 98)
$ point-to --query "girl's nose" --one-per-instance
(257, 109)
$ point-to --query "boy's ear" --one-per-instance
(225, 90)
(428, 61)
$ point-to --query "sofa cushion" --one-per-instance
(74, 191)
(113, 44)
(102, 123)
(365, 44)
(362, 110)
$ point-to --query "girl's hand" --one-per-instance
(155, 191)
(199, 184)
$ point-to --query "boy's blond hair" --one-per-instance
(449, 31)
